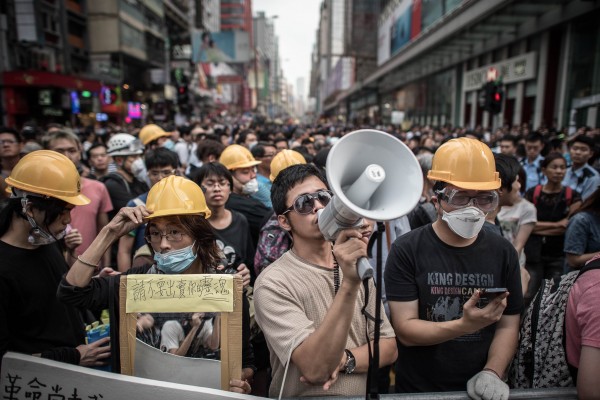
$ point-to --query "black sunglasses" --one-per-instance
(305, 203)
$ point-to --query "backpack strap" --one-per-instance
(568, 195)
(117, 177)
(536, 194)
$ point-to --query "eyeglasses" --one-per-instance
(305, 203)
(163, 173)
(172, 236)
(7, 141)
(485, 201)
(211, 184)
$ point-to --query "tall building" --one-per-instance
(344, 50)
(265, 46)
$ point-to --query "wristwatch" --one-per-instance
(350, 364)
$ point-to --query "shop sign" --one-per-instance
(52, 112)
(45, 97)
(516, 69)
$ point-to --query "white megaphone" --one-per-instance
(373, 175)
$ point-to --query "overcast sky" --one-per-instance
(296, 25)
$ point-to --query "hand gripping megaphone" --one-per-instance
(372, 175)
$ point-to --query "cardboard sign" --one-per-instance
(147, 300)
(26, 377)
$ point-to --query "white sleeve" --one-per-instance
(171, 335)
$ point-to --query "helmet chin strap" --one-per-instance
(37, 235)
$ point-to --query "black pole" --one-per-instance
(373, 381)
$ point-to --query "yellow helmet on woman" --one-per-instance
(176, 195)
(48, 173)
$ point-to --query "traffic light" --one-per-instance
(493, 96)
(183, 98)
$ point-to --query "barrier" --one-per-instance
(26, 377)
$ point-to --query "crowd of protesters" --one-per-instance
(72, 224)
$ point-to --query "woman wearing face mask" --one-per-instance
(554, 203)
(45, 188)
(182, 242)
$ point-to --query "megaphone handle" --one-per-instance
(364, 269)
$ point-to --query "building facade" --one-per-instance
(433, 57)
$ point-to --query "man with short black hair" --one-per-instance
(100, 162)
(534, 144)
(308, 303)
(508, 145)
(10, 149)
(580, 176)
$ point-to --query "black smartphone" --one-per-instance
(490, 293)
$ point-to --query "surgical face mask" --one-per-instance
(137, 167)
(176, 261)
(250, 187)
(252, 144)
(169, 144)
(465, 222)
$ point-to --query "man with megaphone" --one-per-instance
(308, 303)
(454, 290)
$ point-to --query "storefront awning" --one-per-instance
(49, 79)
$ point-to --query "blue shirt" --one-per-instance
(585, 180)
(534, 172)
(583, 234)
(264, 190)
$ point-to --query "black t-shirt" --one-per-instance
(235, 241)
(32, 320)
(442, 278)
(121, 191)
(255, 212)
(551, 207)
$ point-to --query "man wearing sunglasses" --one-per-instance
(451, 337)
(308, 302)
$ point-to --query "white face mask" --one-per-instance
(250, 187)
(252, 144)
(137, 167)
(465, 222)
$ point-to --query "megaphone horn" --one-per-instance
(372, 175)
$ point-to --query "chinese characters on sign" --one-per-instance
(174, 293)
(18, 388)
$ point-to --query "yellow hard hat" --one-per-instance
(151, 132)
(235, 157)
(48, 173)
(176, 195)
(465, 163)
(283, 159)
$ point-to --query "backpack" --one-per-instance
(538, 191)
(541, 359)
(273, 241)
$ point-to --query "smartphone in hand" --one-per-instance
(488, 294)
